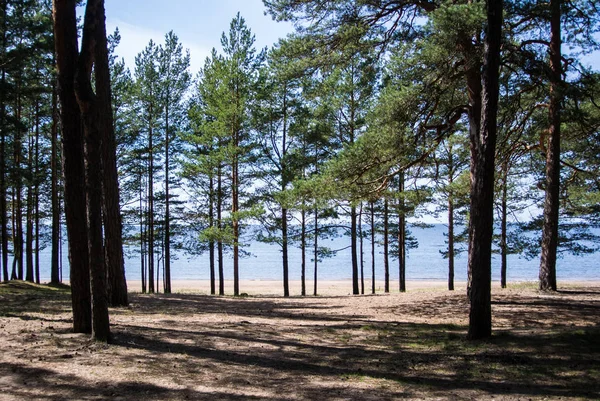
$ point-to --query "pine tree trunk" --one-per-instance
(36, 197)
(361, 251)
(54, 264)
(167, 254)
(3, 172)
(284, 253)
(211, 223)
(65, 37)
(142, 236)
(220, 226)
(150, 216)
(503, 225)
(372, 247)
(354, 249)
(115, 264)
(402, 237)
(551, 203)
(316, 251)
(29, 273)
(91, 114)
(303, 250)
(18, 190)
(386, 252)
(450, 240)
(451, 173)
(236, 232)
(483, 147)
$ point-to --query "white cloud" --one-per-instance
(134, 39)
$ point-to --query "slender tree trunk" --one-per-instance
(303, 250)
(551, 203)
(150, 216)
(220, 226)
(503, 225)
(211, 223)
(142, 237)
(354, 248)
(372, 247)
(361, 251)
(450, 239)
(316, 251)
(483, 149)
(65, 34)
(115, 264)
(29, 273)
(284, 211)
(36, 198)
(167, 279)
(3, 206)
(402, 237)
(386, 247)
(18, 189)
(54, 265)
(284, 253)
(235, 221)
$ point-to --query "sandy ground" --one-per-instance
(408, 346)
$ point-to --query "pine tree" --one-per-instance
(175, 81)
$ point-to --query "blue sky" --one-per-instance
(198, 24)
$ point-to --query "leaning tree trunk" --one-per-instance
(551, 204)
(65, 39)
(91, 112)
(483, 147)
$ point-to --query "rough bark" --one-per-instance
(65, 39)
(91, 114)
(551, 203)
(483, 146)
(115, 265)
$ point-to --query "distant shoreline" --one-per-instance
(331, 287)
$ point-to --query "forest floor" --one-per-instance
(377, 347)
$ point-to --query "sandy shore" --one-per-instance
(325, 287)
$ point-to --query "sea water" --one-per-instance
(423, 263)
